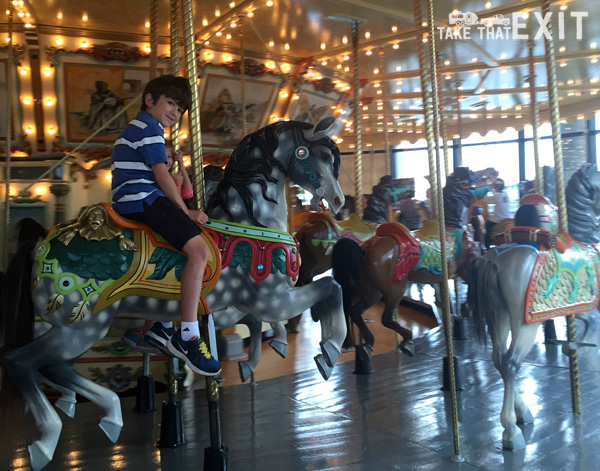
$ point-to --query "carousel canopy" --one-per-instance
(484, 50)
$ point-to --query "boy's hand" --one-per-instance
(178, 157)
(199, 217)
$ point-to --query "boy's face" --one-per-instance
(165, 110)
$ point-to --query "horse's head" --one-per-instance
(583, 196)
(316, 164)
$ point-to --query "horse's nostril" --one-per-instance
(338, 201)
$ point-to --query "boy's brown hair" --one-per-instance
(171, 86)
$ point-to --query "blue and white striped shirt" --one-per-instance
(140, 145)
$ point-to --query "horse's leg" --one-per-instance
(388, 317)
(279, 341)
(246, 367)
(23, 366)
(513, 406)
(67, 400)
(325, 295)
(65, 375)
(355, 315)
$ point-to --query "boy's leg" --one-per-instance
(187, 343)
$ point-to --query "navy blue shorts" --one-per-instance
(168, 220)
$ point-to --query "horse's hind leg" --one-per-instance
(22, 365)
(513, 406)
(388, 318)
(65, 375)
(246, 367)
(279, 341)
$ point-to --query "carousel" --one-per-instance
(395, 339)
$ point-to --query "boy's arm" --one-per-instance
(187, 183)
(169, 188)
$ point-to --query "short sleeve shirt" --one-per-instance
(140, 145)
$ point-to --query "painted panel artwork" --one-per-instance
(221, 114)
(313, 105)
(94, 95)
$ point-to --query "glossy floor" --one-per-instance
(397, 418)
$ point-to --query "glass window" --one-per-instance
(544, 130)
(545, 153)
(415, 164)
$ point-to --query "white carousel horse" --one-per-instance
(87, 272)
(499, 293)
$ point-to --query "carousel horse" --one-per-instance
(382, 267)
(317, 238)
(531, 276)
(88, 271)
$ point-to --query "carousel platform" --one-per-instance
(397, 418)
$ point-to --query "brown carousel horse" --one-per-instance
(382, 267)
(317, 238)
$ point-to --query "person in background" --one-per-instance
(499, 198)
(409, 211)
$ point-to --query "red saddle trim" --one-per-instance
(409, 248)
(261, 254)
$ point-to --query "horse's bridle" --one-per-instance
(301, 155)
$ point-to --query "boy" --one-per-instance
(144, 191)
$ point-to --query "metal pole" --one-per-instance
(358, 180)
(560, 193)
(7, 170)
(174, 62)
(427, 110)
(442, 228)
(194, 112)
(386, 135)
(535, 122)
(242, 74)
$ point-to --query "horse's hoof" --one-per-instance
(111, 428)
(330, 352)
(324, 368)
(364, 352)
(526, 418)
(279, 347)
(408, 348)
(68, 407)
(39, 455)
(516, 443)
(245, 370)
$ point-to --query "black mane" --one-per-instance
(378, 201)
(582, 195)
(252, 161)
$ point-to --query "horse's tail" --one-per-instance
(483, 296)
(345, 260)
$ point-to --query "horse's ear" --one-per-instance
(324, 128)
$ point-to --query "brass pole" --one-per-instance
(442, 115)
(535, 123)
(212, 388)
(242, 74)
(154, 39)
(194, 112)
(358, 176)
(427, 110)
(174, 61)
(560, 193)
(442, 227)
(7, 170)
(386, 135)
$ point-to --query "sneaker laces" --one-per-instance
(204, 349)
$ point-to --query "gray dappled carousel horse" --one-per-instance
(505, 294)
(88, 271)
